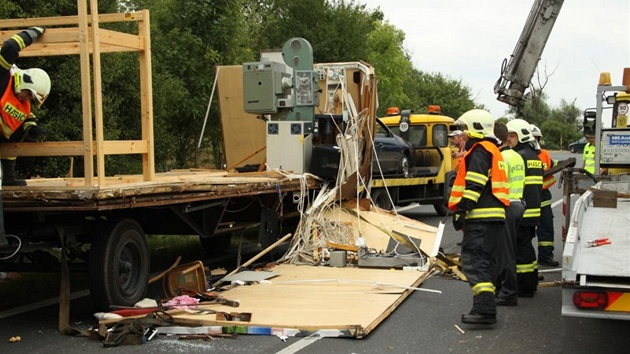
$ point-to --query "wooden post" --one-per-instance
(146, 104)
(98, 97)
(86, 94)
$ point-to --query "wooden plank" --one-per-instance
(73, 148)
(68, 20)
(57, 49)
(86, 94)
(146, 98)
(59, 148)
(120, 39)
(65, 41)
(98, 98)
(51, 36)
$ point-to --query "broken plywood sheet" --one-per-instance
(311, 298)
(376, 223)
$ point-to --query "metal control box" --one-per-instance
(263, 88)
(289, 145)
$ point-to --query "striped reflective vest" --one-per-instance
(485, 208)
(532, 192)
(589, 157)
(13, 112)
(515, 172)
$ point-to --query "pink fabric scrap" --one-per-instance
(182, 302)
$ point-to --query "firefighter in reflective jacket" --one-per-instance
(479, 197)
(18, 89)
(544, 231)
(522, 141)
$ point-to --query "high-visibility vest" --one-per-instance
(515, 173)
(13, 112)
(498, 178)
(589, 157)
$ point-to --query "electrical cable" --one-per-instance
(16, 250)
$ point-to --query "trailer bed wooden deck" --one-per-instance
(123, 192)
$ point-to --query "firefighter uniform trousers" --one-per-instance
(545, 231)
(506, 283)
(527, 266)
(479, 255)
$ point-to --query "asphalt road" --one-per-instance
(423, 323)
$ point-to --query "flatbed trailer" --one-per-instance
(115, 218)
(100, 222)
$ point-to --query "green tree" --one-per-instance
(391, 65)
(425, 89)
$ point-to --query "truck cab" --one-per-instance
(432, 160)
(428, 133)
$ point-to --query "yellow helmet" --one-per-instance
(35, 80)
(479, 123)
(522, 129)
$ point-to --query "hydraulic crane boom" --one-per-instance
(517, 73)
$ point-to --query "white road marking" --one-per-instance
(556, 203)
(301, 344)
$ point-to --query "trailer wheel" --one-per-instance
(442, 210)
(119, 265)
(381, 199)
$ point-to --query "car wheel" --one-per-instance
(404, 166)
(381, 199)
(572, 149)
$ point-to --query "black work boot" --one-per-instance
(479, 318)
(8, 174)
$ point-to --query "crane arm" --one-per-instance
(516, 74)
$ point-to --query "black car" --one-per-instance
(577, 146)
(394, 154)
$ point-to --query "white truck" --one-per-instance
(596, 256)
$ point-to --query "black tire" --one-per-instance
(381, 199)
(572, 149)
(119, 265)
(217, 245)
(442, 210)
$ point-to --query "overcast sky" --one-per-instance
(468, 40)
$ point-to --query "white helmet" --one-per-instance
(535, 131)
(522, 129)
(35, 80)
(479, 123)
